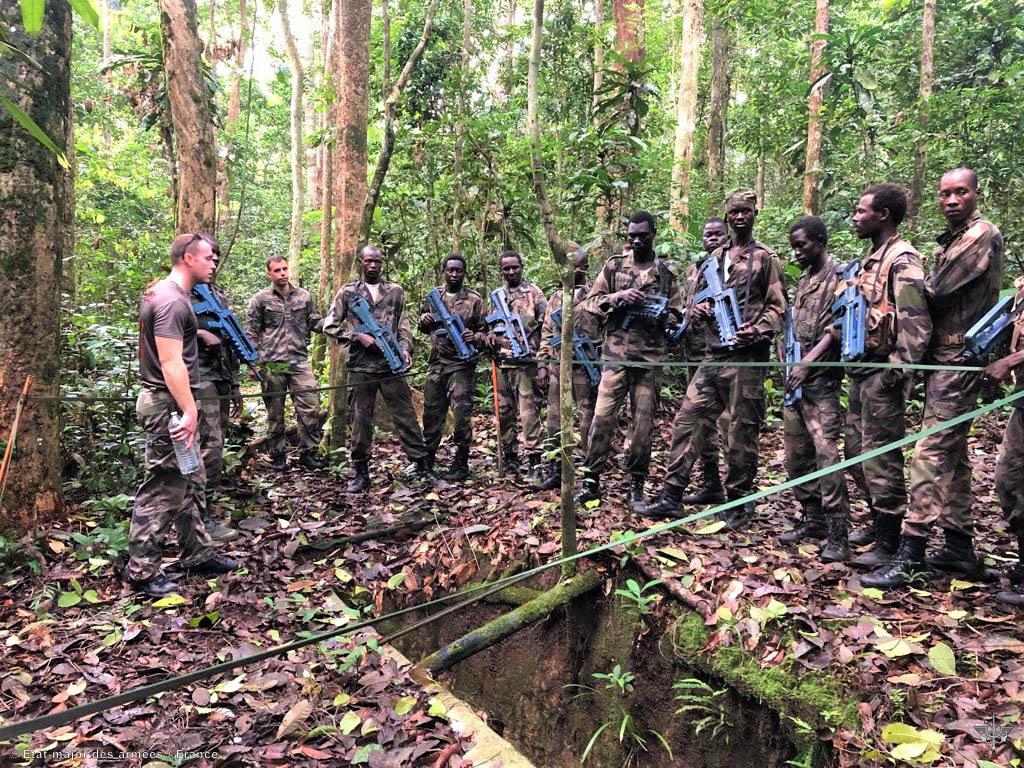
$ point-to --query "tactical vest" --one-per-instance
(876, 286)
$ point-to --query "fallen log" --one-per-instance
(673, 587)
(372, 533)
(484, 637)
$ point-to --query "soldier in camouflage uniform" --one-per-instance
(583, 392)
(694, 345)
(516, 399)
(168, 367)
(280, 319)
(891, 279)
(752, 270)
(963, 287)
(369, 372)
(450, 379)
(625, 282)
(1010, 469)
(813, 424)
(218, 374)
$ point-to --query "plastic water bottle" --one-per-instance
(188, 458)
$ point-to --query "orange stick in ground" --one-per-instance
(497, 418)
(9, 451)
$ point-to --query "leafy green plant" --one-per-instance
(708, 706)
(638, 594)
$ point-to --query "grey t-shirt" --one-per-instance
(167, 311)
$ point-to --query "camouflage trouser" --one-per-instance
(166, 497)
(616, 383)
(812, 428)
(714, 432)
(713, 390)
(307, 407)
(516, 401)
(940, 472)
(215, 414)
(582, 393)
(447, 388)
(1010, 471)
(398, 398)
(876, 416)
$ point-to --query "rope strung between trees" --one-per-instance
(54, 720)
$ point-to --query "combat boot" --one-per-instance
(553, 478)
(1015, 594)
(278, 461)
(590, 488)
(957, 555)
(310, 460)
(510, 458)
(812, 526)
(215, 564)
(897, 572)
(668, 504)
(837, 547)
(869, 533)
(740, 518)
(425, 473)
(636, 494)
(711, 490)
(361, 481)
(886, 543)
(216, 531)
(458, 472)
(158, 586)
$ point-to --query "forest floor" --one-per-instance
(944, 656)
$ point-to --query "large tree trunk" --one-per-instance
(686, 113)
(235, 99)
(924, 96)
(386, 30)
(314, 75)
(812, 163)
(467, 27)
(298, 153)
(326, 169)
(190, 112)
(352, 52)
(718, 122)
(35, 240)
(629, 29)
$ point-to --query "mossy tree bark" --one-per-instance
(35, 240)
(718, 116)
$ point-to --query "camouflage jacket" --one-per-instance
(340, 324)
(584, 322)
(642, 341)
(963, 286)
(694, 343)
(756, 277)
(216, 363)
(1017, 339)
(813, 317)
(281, 325)
(468, 305)
(529, 303)
(899, 325)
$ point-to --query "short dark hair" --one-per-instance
(276, 257)
(891, 197)
(716, 220)
(454, 256)
(509, 255)
(813, 227)
(183, 244)
(641, 216)
(971, 174)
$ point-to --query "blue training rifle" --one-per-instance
(382, 335)
(851, 310)
(723, 301)
(509, 325)
(985, 333)
(583, 349)
(792, 355)
(451, 325)
(224, 323)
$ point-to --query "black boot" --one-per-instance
(553, 478)
(869, 533)
(636, 494)
(510, 458)
(590, 488)
(711, 490)
(279, 461)
(310, 460)
(1015, 594)
(837, 547)
(667, 504)
(897, 572)
(425, 472)
(886, 543)
(957, 555)
(458, 472)
(740, 518)
(812, 526)
(361, 481)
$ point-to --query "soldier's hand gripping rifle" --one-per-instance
(851, 311)
(791, 355)
(382, 335)
(583, 349)
(987, 332)
(224, 323)
(723, 302)
(650, 310)
(509, 325)
(451, 325)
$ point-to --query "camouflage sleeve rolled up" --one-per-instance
(769, 321)
(335, 324)
(316, 320)
(913, 322)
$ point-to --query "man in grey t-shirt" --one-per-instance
(168, 366)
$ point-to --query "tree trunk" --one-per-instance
(298, 153)
(812, 164)
(35, 241)
(718, 122)
(386, 24)
(314, 75)
(323, 297)
(467, 27)
(924, 96)
(629, 29)
(235, 100)
(390, 109)
(352, 53)
(190, 112)
(686, 113)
